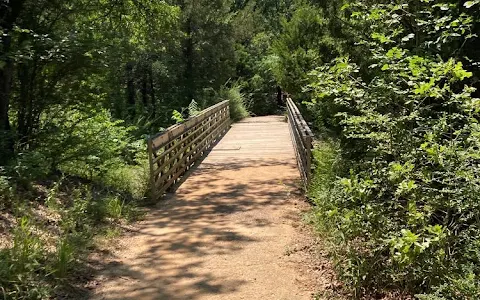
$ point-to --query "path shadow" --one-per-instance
(197, 163)
(173, 246)
(189, 244)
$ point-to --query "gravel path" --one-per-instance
(231, 231)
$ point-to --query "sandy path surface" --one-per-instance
(231, 231)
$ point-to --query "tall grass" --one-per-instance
(41, 261)
(238, 102)
(129, 180)
(64, 258)
(23, 266)
(327, 161)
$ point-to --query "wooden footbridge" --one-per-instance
(233, 226)
(173, 152)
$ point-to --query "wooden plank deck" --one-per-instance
(225, 233)
(260, 139)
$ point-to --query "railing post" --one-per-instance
(309, 144)
(152, 174)
(302, 139)
(182, 145)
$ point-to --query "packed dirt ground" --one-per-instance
(233, 230)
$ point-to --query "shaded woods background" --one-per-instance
(390, 88)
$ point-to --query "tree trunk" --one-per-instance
(152, 91)
(22, 101)
(6, 136)
(130, 89)
(9, 12)
(27, 107)
(144, 91)
(188, 55)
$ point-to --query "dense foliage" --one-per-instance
(399, 183)
(391, 88)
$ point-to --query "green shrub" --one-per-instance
(32, 165)
(114, 207)
(402, 210)
(119, 209)
(129, 179)
(238, 109)
(51, 201)
(78, 218)
(257, 64)
(326, 158)
(7, 191)
(83, 142)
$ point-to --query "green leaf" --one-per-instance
(423, 87)
(381, 37)
(469, 4)
(461, 73)
(408, 37)
(395, 52)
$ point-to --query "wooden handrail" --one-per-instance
(174, 151)
(302, 138)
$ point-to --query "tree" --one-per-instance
(9, 12)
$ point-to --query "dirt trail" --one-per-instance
(231, 231)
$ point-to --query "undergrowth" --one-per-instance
(397, 181)
(53, 234)
(238, 105)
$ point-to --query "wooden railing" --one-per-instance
(302, 138)
(175, 150)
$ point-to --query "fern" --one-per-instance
(177, 117)
(193, 108)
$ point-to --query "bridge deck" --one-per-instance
(224, 234)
